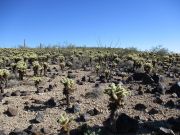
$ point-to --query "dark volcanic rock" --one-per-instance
(94, 112)
(175, 88)
(160, 88)
(140, 107)
(16, 93)
(12, 111)
(126, 124)
(153, 111)
(51, 102)
(144, 77)
(84, 117)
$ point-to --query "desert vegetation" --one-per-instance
(89, 91)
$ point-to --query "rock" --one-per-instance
(97, 84)
(17, 131)
(16, 93)
(158, 100)
(157, 78)
(45, 130)
(85, 117)
(32, 129)
(1, 97)
(170, 104)
(83, 78)
(51, 102)
(8, 94)
(126, 124)
(12, 111)
(94, 112)
(140, 107)
(75, 108)
(153, 111)
(165, 131)
(160, 88)
(50, 88)
(175, 88)
(144, 77)
(102, 79)
(40, 90)
(39, 117)
(25, 93)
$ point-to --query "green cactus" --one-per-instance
(69, 87)
(148, 67)
(36, 68)
(21, 67)
(65, 121)
(37, 80)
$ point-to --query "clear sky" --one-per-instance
(119, 23)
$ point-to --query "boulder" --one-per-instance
(175, 88)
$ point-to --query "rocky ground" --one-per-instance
(22, 108)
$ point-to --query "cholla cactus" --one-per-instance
(107, 73)
(36, 68)
(65, 121)
(37, 80)
(62, 66)
(4, 73)
(69, 87)
(61, 58)
(21, 67)
(117, 93)
(97, 69)
(148, 67)
(45, 66)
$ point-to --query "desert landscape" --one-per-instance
(89, 91)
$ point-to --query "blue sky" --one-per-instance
(119, 23)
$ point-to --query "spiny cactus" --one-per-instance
(97, 67)
(148, 67)
(65, 121)
(4, 73)
(69, 87)
(36, 68)
(21, 67)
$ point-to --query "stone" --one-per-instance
(45, 130)
(126, 124)
(16, 93)
(51, 102)
(160, 88)
(50, 88)
(84, 117)
(94, 112)
(175, 88)
(144, 77)
(71, 75)
(7, 94)
(32, 129)
(75, 108)
(25, 93)
(1, 97)
(140, 107)
(153, 111)
(158, 100)
(170, 104)
(165, 131)
(39, 117)
(83, 78)
(175, 123)
(17, 131)
(12, 111)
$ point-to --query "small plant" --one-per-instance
(117, 96)
(65, 121)
(45, 66)
(4, 73)
(148, 67)
(97, 69)
(21, 67)
(69, 87)
(36, 68)
(107, 73)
